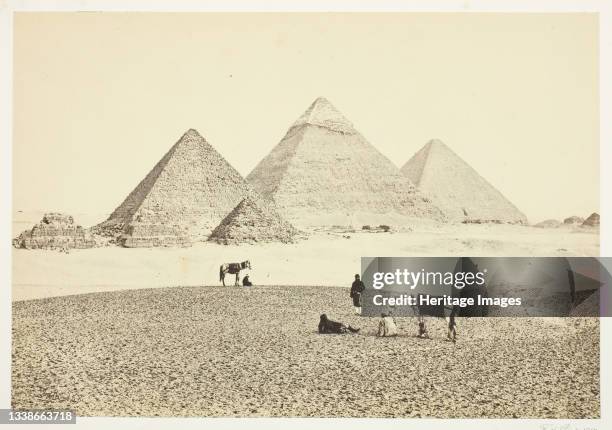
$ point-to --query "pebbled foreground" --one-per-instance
(213, 351)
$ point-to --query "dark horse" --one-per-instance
(233, 268)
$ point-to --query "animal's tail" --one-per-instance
(221, 273)
(353, 330)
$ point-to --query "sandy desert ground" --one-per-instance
(325, 258)
(116, 331)
(214, 351)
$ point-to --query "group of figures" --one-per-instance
(387, 326)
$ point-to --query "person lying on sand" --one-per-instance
(327, 326)
(387, 326)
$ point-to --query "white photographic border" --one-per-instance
(603, 8)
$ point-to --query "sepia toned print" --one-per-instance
(183, 246)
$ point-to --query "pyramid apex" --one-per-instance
(322, 113)
(191, 136)
(248, 200)
(435, 143)
(192, 132)
(319, 100)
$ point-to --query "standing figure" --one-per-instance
(356, 290)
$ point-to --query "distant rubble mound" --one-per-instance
(253, 221)
(573, 220)
(592, 220)
(457, 189)
(548, 223)
(324, 172)
(55, 231)
(181, 200)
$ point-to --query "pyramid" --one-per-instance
(181, 200)
(457, 188)
(253, 221)
(324, 172)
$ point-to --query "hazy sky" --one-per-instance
(100, 97)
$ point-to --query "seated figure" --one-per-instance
(387, 326)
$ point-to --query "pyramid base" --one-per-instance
(357, 220)
(153, 241)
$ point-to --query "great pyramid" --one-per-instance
(457, 188)
(324, 172)
(181, 200)
(253, 221)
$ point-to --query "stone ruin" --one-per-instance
(188, 192)
(592, 220)
(55, 231)
(457, 189)
(253, 221)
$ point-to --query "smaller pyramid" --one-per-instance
(181, 200)
(253, 221)
(456, 188)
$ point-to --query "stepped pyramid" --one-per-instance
(323, 172)
(456, 188)
(181, 200)
(253, 221)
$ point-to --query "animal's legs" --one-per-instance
(452, 332)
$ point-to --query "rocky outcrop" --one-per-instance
(456, 188)
(55, 231)
(253, 221)
(592, 220)
(324, 173)
(549, 223)
(573, 220)
(181, 200)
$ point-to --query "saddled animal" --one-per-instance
(327, 326)
(233, 269)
